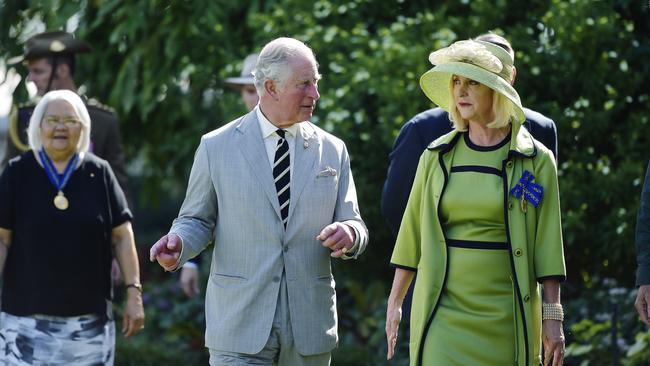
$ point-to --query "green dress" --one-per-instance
(474, 323)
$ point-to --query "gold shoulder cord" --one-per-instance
(13, 129)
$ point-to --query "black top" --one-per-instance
(59, 262)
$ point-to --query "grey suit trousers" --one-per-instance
(280, 348)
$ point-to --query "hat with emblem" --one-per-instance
(51, 44)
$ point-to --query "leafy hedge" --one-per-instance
(582, 63)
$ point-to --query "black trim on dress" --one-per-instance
(473, 244)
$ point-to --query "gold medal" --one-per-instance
(61, 202)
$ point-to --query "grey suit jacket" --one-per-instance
(231, 198)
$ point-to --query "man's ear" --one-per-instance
(514, 75)
(62, 71)
(271, 89)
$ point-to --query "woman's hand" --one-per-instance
(393, 318)
(553, 337)
(401, 283)
(133, 320)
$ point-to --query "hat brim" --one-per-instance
(42, 49)
(435, 84)
(240, 81)
(15, 60)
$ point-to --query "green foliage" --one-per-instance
(589, 324)
(582, 63)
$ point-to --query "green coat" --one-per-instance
(534, 238)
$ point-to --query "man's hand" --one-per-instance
(190, 281)
(642, 302)
(337, 236)
(133, 320)
(166, 251)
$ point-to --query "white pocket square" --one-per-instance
(327, 172)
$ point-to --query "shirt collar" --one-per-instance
(269, 128)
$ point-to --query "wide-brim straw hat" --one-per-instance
(480, 61)
(246, 77)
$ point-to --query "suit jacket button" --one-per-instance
(286, 248)
(276, 279)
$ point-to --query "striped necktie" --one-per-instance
(281, 175)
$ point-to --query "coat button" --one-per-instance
(509, 164)
(510, 205)
(518, 252)
(526, 298)
(286, 248)
(276, 279)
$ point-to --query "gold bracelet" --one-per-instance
(552, 311)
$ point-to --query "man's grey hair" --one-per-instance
(273, 62)
(34, 129)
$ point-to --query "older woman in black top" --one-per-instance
(62, 216)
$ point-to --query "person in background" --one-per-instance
(276, 195)
(482, 226)
(62, 216)
(643, 252)
(245, 84)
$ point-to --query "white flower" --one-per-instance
(469, 52)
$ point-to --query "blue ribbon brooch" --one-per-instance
(527, 191)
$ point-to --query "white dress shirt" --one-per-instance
(271, 138)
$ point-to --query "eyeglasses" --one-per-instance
(53, 121)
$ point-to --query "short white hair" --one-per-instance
(273, 62)
(34, 129)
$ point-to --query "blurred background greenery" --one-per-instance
(584, 63)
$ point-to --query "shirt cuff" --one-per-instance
(180, 256)
(352, 252)
(190, 265)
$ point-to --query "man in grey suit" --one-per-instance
(276, 195)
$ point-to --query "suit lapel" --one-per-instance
(306, 149)
(251, 144)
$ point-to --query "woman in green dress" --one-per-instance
(482, 226)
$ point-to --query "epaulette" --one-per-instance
(92, 102)
(14, 130)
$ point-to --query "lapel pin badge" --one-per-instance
(527, 191)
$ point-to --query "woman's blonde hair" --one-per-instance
(502, 107)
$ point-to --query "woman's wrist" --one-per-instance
(135, 287)
(552, 311)
(395, 302)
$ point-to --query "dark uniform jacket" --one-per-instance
(643, 234)
(105, 138)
